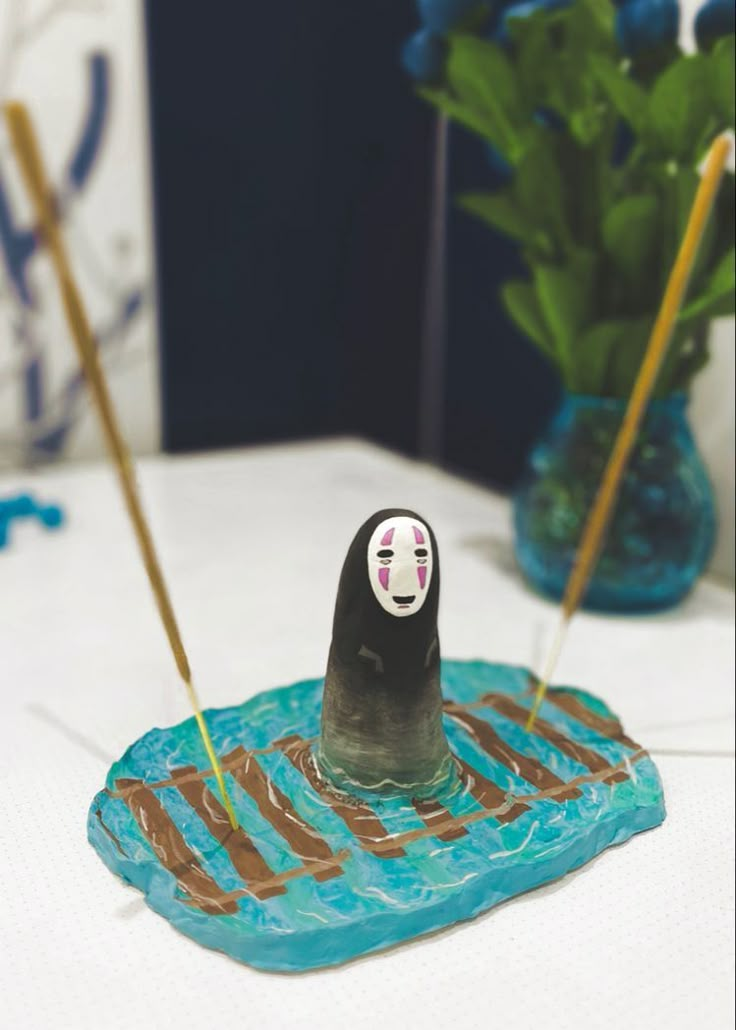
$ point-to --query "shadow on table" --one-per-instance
(132, 908)
(73, 735)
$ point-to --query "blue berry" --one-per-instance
(423, 56)
(51, 516)
(643, 25)
(441, 16)
(715, 18)
(19, 507)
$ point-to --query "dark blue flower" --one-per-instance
(423, 56)
(443, 15)
(643, 25)
(715, 18)
(523, 9)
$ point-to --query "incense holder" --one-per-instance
(314, 876)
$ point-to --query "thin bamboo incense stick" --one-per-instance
(25, 145)
(593, 536)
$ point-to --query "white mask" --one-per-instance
(400, 563)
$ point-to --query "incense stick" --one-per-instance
(27, 151)
(593, 536)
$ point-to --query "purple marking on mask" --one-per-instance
(387, 538)
(383, 576)
(418, 535)
(422, 573)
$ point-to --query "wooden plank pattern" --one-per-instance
(487, 793)
(276, 807)
(572, 705)
(578, 752)
(359, 818)
(172, 850)
(528, 768)
(241, 850)
(431, 812)
(108, 832)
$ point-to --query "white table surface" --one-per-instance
(252, 543)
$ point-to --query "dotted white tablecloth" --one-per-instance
(252, 543)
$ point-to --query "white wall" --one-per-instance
(714, 399)
(712, 410)
(61, 58)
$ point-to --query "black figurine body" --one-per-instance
(382, 709)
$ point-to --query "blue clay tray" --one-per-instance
(312, 878)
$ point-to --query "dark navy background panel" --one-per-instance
(292, 177)
(290, 164)
(500, 391)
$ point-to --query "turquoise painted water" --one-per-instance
(309, 880)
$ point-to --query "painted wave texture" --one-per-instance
(313, 878)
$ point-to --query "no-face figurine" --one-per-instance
(382, 709)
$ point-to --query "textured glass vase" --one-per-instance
(663, 529)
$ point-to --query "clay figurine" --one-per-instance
(382, 706)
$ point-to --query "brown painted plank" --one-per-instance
(275, 807)
(469, 818)
(172, 850)
(283, 743)
(573, 706)
(227, 763)
(431, 812)
(507, 707)
(522, 765)
(108, 832)
(241, 850)
(487, 793)
(360, 819)
(296, 873)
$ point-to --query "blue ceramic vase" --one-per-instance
(663, 530)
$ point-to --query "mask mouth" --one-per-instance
(403, 602)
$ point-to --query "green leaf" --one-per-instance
(499, 210)
(533, 54)
(520, 300)
(681, 108)
(566, 299)
(678, 186)
(539, 190)
(723, 78)
(687, 182)
(689, 352)
(628, 98)
(604, 15)
(630, 235)
(721, 221)
(586, 123)
(717, 299)
(627, 355)
(593, 351)
(548, 45)
(483, 80)
(462, 113)
(686, 354)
